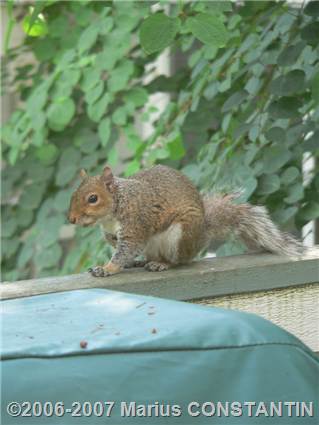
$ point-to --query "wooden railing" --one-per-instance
(285, 291)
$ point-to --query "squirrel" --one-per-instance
(159, 213)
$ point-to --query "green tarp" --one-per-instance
(137, 359)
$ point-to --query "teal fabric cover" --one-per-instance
(99, 345)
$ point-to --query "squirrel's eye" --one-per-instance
(92, 199)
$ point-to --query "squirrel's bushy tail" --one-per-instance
(250, 223)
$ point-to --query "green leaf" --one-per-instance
(25, 254)
(62, 201)
(67, 58)
(9, 228)
(112, 157)
(94, 93)
(133, 141)
(58, 26)
(285, 107)
(24, 217)
(38, 172)
(240, 131)
(34, 27)
(209, 29)
(249, 186)
(274, 158)
(293, 82)
(223, 86)
(37, 100)
(10, 247)
(295, 134)
(120, 75)
(82, 15)
(119, 117)
(32, 196)
(312, 9)
(234, 100)
(282, 214)
(310, 33)
(105, 25)
(193, 172)
(65, 174)
(45, 49)
(254, 133)
(40, 136)
(91, 77)
(99, 108)
(87, 141)
(88, 38)
(289, 175)
(47, 258)
(315, 88)
(290, 54)
(138, 96)
(276, 134)
(132, 168)
(312, 144)
(47, 154)
(70, 155)
(38, 120)
(106, 59)
(127, 21)
(158, 154)
(104, 131)
(251, 153)
(60, 113)
(253, 85)
(268, 184)
(176, 147)
(71, 76)
(310, 211)
(157, 32)
(90, 161)
(50, 228)
(35, 12)
(295, 193)
(219, 6)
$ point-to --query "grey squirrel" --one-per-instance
(160, 214)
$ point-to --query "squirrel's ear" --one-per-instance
(107, 176)
(83, 174)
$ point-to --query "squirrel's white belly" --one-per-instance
(164, 245)
(110, 225)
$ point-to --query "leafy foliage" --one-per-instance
(242, 112)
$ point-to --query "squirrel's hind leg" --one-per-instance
(191, 241)
(178, 244)
(156, 266)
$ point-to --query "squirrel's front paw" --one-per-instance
(103, 271)
(98, 271)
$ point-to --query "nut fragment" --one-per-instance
(83, 344)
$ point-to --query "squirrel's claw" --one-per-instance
(98, 271)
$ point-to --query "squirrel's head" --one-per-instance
(93, 199)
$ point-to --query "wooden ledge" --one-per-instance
(202, 279)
